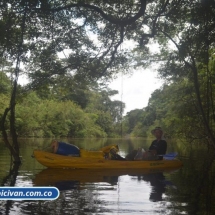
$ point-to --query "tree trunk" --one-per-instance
(13, 151)
(12, 123)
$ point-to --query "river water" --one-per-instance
(102, 192)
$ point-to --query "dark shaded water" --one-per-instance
(102, 192)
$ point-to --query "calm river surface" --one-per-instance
(101, 192)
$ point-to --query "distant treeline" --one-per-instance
(63, 109)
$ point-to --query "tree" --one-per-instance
(194, 45)
(109, 111)
(133, 117)
(185, 34)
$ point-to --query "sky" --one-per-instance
(135, 90)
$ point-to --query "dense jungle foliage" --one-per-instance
(66, 48)
(63, 112)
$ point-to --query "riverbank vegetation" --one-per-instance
(59, 111)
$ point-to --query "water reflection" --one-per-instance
(105, 191)
(10, 180)
(158, 185)
(102, 192)
(49, 177)
(66, 179)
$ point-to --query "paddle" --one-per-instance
(169, 156)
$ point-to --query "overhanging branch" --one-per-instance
(115, 50)
(153, 31)
(111, 19)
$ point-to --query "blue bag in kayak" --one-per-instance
(68, 149)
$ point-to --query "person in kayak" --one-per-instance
(157, 148)
(159, 145)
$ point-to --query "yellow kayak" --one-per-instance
(96, 160)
